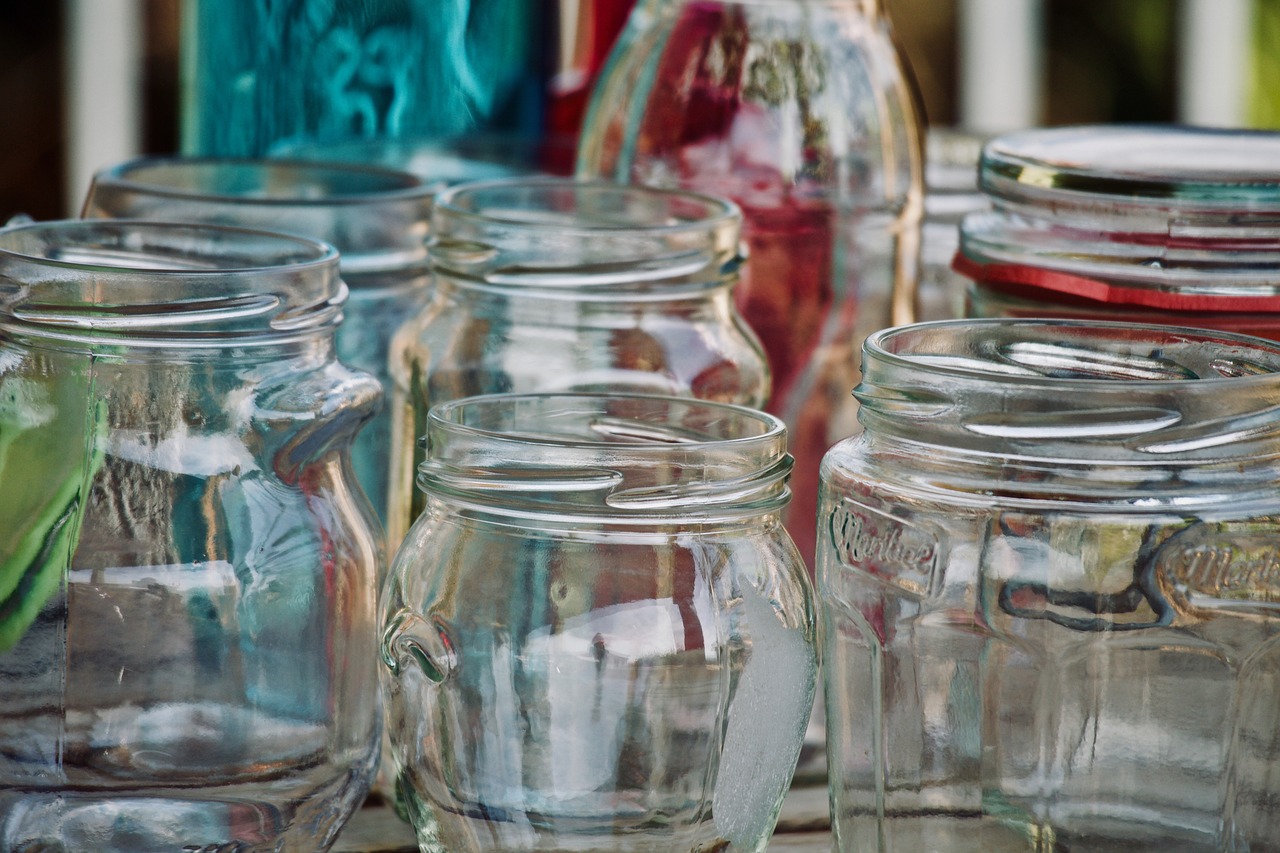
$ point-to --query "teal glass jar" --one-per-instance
(187, 637)
(598, 635)
(256, 74)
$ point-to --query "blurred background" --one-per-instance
(85, 83)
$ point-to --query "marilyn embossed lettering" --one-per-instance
(884, 545)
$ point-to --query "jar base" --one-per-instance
(239, 819)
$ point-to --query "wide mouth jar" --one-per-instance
(1177, 218)
(631, 459)
(1066, 409)
(568, 234)
(146, 283)
(377, 218)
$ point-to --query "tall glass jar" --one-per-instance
(377, 219)
(1169, 225)
(801, 112)
(1050, 570)
(187, 642)
(558, 285)
(598, 635)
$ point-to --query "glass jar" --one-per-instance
(1050, 570)
(1168, 225)
(377, 219)
(558, 285)
(258, 73)
(187, 641)
(803, 114)
(598, 635)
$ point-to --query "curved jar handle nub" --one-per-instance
(410, 640)
(319, 413)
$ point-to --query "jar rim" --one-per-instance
(446, 416)
(324, 253)
(450, 203)
(615, 458)
(377, 218)
(162, 175)
(136, 282)
(878, 347)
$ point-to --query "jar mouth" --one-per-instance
(565, 233)
(1048, 387)
(1076, 353)
(630, 456)
(165, 283)
(585, 207)
(377, 218)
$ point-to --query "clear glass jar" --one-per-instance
(1168, 225)
(598, 635)
(1050, 571)
(803, 114)
(187, 641)
(558, 285)
(377, 219)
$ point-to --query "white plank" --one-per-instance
(1001, 64)
(1213, 73)
(104, 86)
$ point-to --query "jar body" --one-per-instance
(593, 680)
(186, 658)
(1071, 648)
(802, 114)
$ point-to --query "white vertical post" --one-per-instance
(1213, 72)
(1001, 64)
(104, 89)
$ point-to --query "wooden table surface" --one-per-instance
(803, 827)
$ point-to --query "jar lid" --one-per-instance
(1183, 170)
(1163, 217)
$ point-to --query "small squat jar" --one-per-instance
(1147, 224)
(598, 635)
(376, 218)
(1050, 568)
(187, 638)
(556, 285)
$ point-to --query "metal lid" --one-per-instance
(1186, 170)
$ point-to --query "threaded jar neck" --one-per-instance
(561, 234)
(629, 459)
(134, 283)
(1122, 406)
